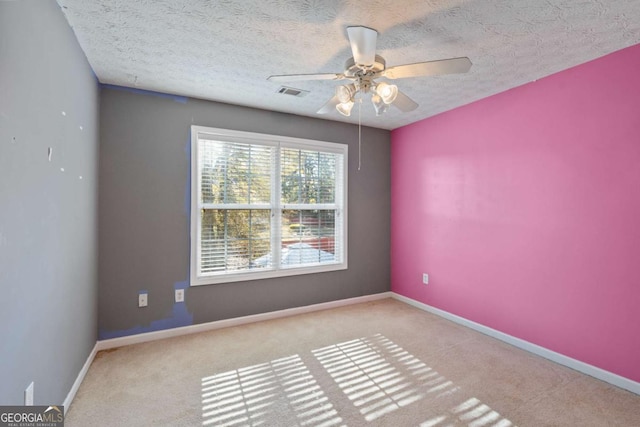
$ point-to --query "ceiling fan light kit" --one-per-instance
(345, 93)
(345, 108)
(382, 96)
(365, 66)
(387, 92)
(380, 106)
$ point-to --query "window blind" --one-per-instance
(235, 204)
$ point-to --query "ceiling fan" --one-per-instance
(365, 67)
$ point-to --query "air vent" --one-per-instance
(284, 90)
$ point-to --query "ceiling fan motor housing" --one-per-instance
(364, 75)
(351, 69)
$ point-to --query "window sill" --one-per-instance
(264, 274)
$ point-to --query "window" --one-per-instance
(265, 206)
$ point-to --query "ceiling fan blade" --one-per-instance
(431, 68)
(303, 77)
(363, 44)
(404, 103)
(329, 106)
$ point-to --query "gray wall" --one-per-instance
(144, 214)
(48, 231)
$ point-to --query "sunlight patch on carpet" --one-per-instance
(380, 377)
(280, 392)
(374, 374)
(473, 413)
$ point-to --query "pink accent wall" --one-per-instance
(524, 208)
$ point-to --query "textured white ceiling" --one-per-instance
(224, 50)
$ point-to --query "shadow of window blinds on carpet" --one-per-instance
(377, 377)
(280, 392)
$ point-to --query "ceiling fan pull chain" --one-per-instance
(359, 133)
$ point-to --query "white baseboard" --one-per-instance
(585, 368)
(561, 359)
(219, 324)
(76, 384)
(158, 335)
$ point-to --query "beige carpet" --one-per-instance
(376, 364)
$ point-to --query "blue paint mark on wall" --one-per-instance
(181, 285)
(180, 316)
(180, 99)
(187, 197)
(187, 190)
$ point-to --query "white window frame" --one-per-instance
(278, 142)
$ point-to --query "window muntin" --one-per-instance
(265, 206)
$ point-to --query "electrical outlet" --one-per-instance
(28, 395)
(425, 278)
(142, 299)
(179, 295)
